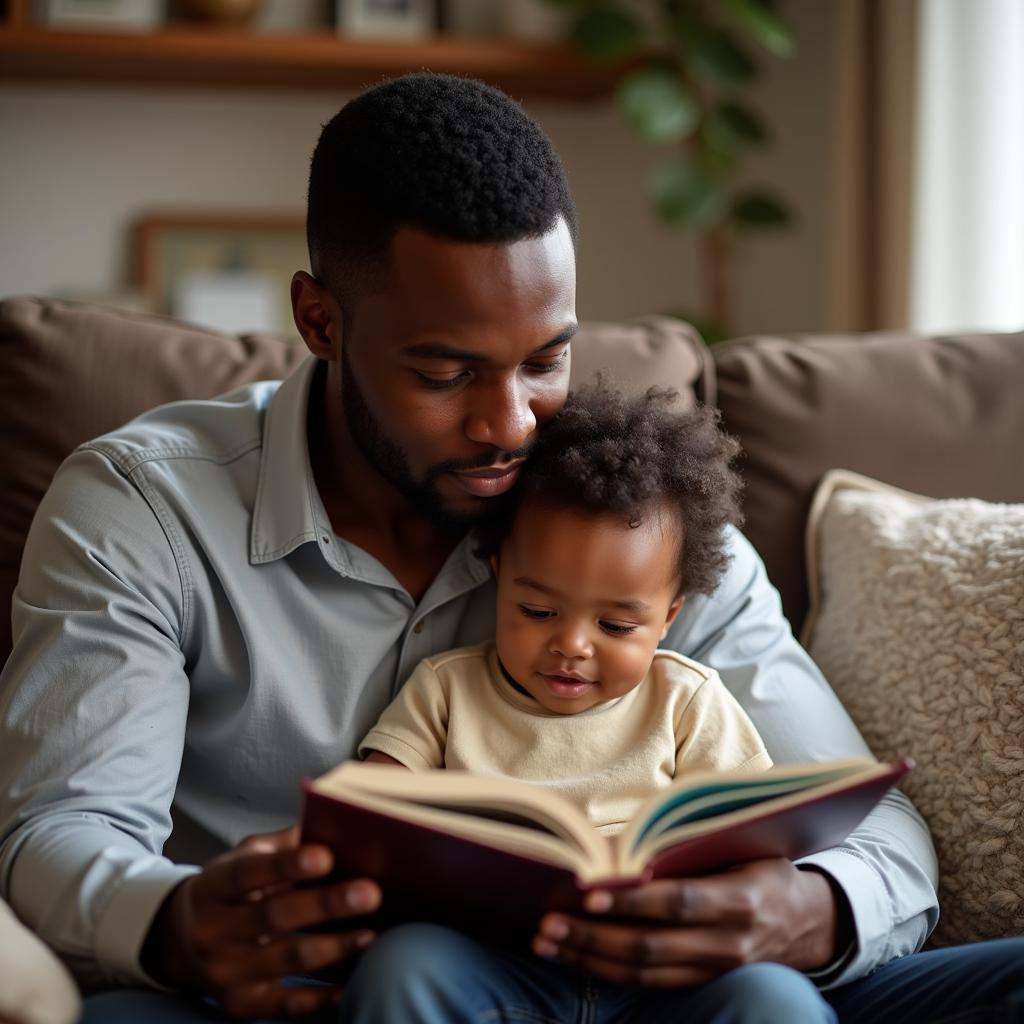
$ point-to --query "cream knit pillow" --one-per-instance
(917, 620)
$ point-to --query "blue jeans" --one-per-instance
(425, 973)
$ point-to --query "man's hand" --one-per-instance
(697, 928)
(231, 931)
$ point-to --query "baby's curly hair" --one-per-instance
(610, 453)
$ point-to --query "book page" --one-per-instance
(709, 795)
(727, 797)
(532, 843)
(751, 805)
(481, 800)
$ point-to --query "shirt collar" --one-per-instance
(288, 510)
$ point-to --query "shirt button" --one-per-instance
(418, 628)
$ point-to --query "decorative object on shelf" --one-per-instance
(278, 52)
(690, 71)
(470, 17)
(293, 16)
(102, 15)
(221, 12)
(390, 19)
(231, 272)
(533, 20)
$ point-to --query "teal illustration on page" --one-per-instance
(718, 798)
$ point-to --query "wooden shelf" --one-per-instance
(200, 56)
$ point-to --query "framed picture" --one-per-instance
(229, 272)
(386, 19)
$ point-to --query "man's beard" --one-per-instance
(381, 452)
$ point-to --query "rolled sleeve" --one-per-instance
(887, 867)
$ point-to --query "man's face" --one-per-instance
(583, 602)
(451, 364)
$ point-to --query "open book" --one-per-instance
(450, 845)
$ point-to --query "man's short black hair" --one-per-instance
(449, 155)
(606, 453)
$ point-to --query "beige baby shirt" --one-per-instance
(459, 711)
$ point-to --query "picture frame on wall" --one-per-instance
(386, 19)
(230, 272)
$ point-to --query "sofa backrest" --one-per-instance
(940, 416)
(74, 371)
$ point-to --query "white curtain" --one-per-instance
(967, 244)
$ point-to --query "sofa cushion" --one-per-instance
(918, 623)
(74, 371)
(937, 415)
(654, 351)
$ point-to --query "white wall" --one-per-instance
(78, 164)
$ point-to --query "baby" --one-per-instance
(618, 516)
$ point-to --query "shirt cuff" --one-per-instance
(870, 909)
(126, 920)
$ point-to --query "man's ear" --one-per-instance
(317, 316)
(495, 562)
(673, 611)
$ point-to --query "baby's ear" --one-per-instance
(673, 611)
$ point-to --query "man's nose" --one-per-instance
(502, 417)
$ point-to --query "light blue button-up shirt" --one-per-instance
(190, 631)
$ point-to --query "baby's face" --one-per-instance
(583, 602)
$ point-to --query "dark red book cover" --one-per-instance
(429, 874)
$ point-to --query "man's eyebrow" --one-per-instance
(639, 607)
(439, 350)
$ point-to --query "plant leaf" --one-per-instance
(757, 210)
(656, 104)
(717, 56)
(763, 24)
(730, 126)
(715, 162)
(685, 196)
(682, 18)
(606, 33)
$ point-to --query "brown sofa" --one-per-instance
(939, 416)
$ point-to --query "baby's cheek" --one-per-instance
(634, 662)
(514, 638)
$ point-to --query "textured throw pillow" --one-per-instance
(917, 620)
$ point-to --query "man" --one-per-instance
(219, 598)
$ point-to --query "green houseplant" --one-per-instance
(688, 69)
